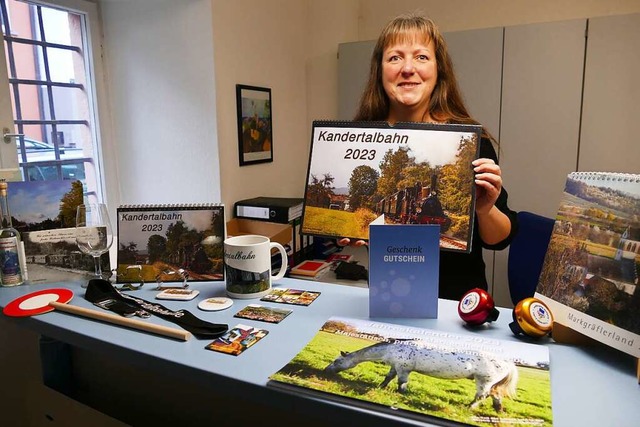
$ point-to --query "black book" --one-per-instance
(274, 209)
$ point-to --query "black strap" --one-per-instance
(121, 307)
(101, 290)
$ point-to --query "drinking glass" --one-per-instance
(94, 234)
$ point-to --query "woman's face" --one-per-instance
(409, 74)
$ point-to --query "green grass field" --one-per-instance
(332, 222)
(427, 395)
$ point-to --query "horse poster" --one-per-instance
(413, 173)
(423, 374)
(589, 278)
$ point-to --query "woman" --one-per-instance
(412, 80)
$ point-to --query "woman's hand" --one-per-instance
(345, 241)
(488, 184)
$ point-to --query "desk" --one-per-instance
(144, 379)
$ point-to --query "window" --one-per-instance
(51, 89)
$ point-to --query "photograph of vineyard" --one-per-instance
(592, 261)
(170, 250)
(426, 181)
(435, 398)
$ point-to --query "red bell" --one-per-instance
(477, 307)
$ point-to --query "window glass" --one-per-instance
(51, 92)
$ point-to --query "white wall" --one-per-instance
(174, 118)
(290, 47)
(161, 84)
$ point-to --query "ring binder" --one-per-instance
(166, 239)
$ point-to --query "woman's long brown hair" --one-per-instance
(446, 103)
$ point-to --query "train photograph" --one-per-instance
(53, 255)
(426, 182)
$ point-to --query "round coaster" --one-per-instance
(37, 302)
(215, 303)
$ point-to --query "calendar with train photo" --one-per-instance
(413, 173)
(170, 243)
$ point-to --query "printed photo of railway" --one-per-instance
(170, 244)
(44, 212)
(425, 178)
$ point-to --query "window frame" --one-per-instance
(97, 98)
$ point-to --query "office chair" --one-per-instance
(526, 254)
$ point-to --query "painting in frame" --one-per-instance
(255, 142)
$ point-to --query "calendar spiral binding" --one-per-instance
(460, 127)
(605, 176)
(174, 206)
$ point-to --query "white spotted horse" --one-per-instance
(494, 376)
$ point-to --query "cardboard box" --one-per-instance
(280, 233)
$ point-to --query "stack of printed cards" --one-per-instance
(310, 269)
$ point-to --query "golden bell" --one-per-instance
(532, 317)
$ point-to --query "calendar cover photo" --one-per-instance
(44, 212)
(170, 243)
(589, 278)
(435, 377)
(413, 173)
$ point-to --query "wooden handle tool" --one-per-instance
(123, 321)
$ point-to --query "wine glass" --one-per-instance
(94, 234)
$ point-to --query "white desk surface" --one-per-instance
(590, 387)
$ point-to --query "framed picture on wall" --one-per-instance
(255, 142)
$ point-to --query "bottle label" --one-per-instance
(9, 262)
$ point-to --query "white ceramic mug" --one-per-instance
(248, 265)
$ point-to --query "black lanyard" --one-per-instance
(103, 294)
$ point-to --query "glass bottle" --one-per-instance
(10, 246)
